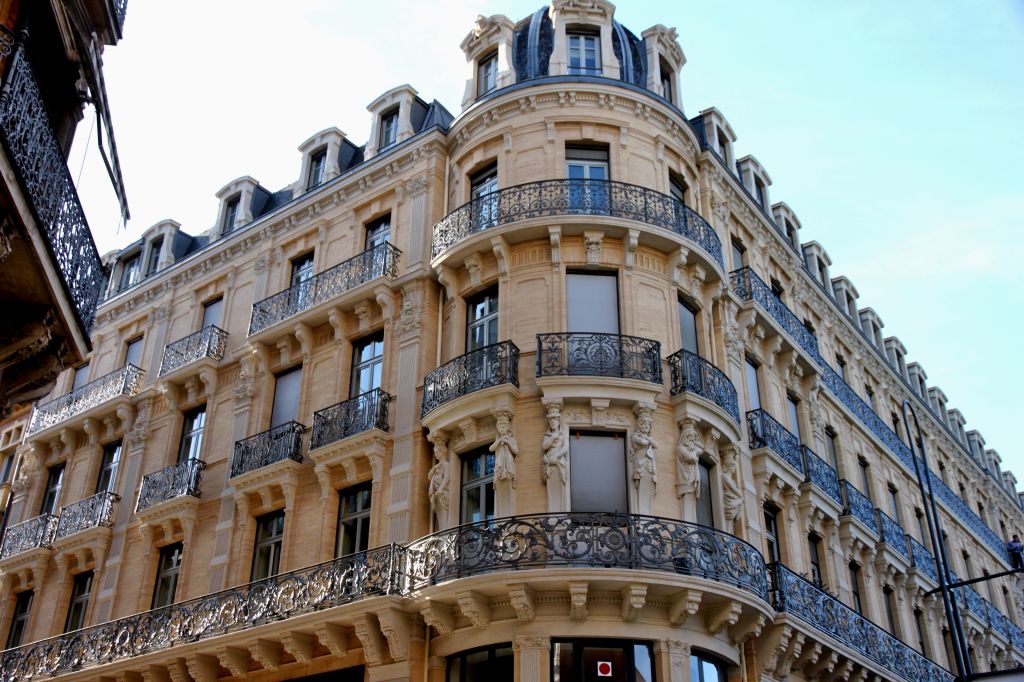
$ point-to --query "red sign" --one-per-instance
(604, 669)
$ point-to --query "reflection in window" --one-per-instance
(487, 74)
(703, 669)
(491, 664)
(477, 487)
(584, 54)
(266, 556)
(353, 520)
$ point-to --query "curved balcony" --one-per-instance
(35, 533)
(278, 444)
(581, 539)
(826, 614)
(482, 368)
(209, 342)
(578, 197)
(177, 480)
(596, 354)
(690, 373)
(85, 400)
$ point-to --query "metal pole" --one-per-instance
(960, 649)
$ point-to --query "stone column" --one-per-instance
(672, 660)
(532, 658)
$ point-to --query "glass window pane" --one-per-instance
(211, 313)
(753, 390)
(688, 327)
(598, 465)
(286, 397)
(794, 419)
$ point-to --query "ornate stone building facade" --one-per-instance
(546, 390)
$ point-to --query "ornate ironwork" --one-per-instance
(891, 533)
(922, 559)
(121, 9)
(341, 581)
(279, 443)
(37, 532)
(972, 601)
(825, 613)
(482, 368)
(170, 482)
(380, 261)
(765, 432)
(362, 413)
(576, 197)
(691, 373)
(581, 539)
(598, 355)
(92, 512)
(750, 287)
(208, 342)
(125, 381)
(821, 474)
(859, 506)
(42, 170)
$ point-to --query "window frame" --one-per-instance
(231, 207)
(751, 369)
(855, 588)
(375, 362)
(167, 574)
(317, 165)
(53, 489)
(388, 136)
(814, 558)
(773, 545)
(487, 73)
(587, 40)
(192, 435)
(19, 619)
(490, 298)
(129, 347)
(693, 313)
(360, 517)
(274, 542)
(78, 604)
(377, 232)
(131, 271)
(106, 481)
(484, 484)
(153, 264)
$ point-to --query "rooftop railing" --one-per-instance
(765, 432)
(598, 355)
(478, 369)
(208, 342)
(355, 415)
(269, 447)
(92, 512)
(32, 534)
(690, 373)
(171, 482)
(124, 382)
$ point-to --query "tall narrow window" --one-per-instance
(830, 443)
(584, 54)
(688, 326)
(705, 505)
(477, 487)
(133, 352)
(353, 520)
(81, 377)
(760, 192)
(855, 588)
(108, 468)
(167, 570)
(792, 413)
(723, 147)
(777, 289)
(968, 573)
(266, 555)
(771, 534)
(367, 364)
(230, 215)
(753, 389)
(814, 553)
(865, 477)
(894, 502)
(191, 445)
(890, 609)
(483, 187)
(896, 425)
(667, 78)
(212, 312)
(378, 232)
(130, 271)
(487, 74)
(316, 169)
(154, 255)
(739, 254)
(80, 591)
(677, 188)
(482, 319)
(19, 623)
(388, 129)
(841, 362)
(597, 460)
(302, 269)
(920, 632)
(287, 386)
(54, 481)
(921, 530)
(870, 393)
(587, 170)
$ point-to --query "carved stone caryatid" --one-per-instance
(642, 461)
(555, 460)
(505, 449)
(732, 495)
(688, 449)
(439, 481)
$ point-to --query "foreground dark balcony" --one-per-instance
(690, 373)
(922, 559)
(826, 614)
(566, 197)
(891, 533)
(171, 482)
(749, 287)
(766, 432)
(35, 533)
(124, 382)
(595, 354)
(209, 342)
(478, 369)
(92, 512)
(380, 261)
(280, 443)
(858, 505)
(356, 415)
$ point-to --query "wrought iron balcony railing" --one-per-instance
(121, 8)
(380, 261)
(598, 355)
(891, 533)
(356, 415)
(825, 613)
(478, 369)
(125, 381)
(31, 534)
(208, 342)
(43, 174)
(859, 506)
(582, 539)
(922, 559)
(821, 474)
(92, 512)
(576, 197)
(334, 583)
(690, 373)
(766, 432)
(266, 448)
(170, 482)
(750, 287)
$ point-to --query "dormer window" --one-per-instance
(790, 231)
(667, 77)
(487, 74)
(584, 53)
(230, 215)
(130, 271)
(388, 128)
(723, 145)
(154, 256)
(316, 169)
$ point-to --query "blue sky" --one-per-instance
(893, 129)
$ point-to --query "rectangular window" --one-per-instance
(81, 377)
(896, 425)
(388, 129)
(230, 215)
(584, 54)
(842, 367)
(739, 255)
(593, 303)
(191, 445)
(771, 534)
(894, 502)
(688, 327)
(777, 289)
(212, 312)
(367, 364)
(154, 256)
(921, 529)
(80, 591)
(108, 468)
(667, 77)
(483, 187)
(855, 589)
(597, 461)
(287, 387)
(482, 319)
(865, 477)
(54, 481)
(167, 571)
(723, 146)
(378, 232)
(130, 271)
(760, 192)
(587, 170)
(266, 555)
(814, 552)
(353, 520)
(870, 393)
(477, 487)
(793, 415)
(830, 442)
(677, 188)
(316, 169)
(302, 269)
(487, 74)
(890, 609)
(920, 632)
(133, 352)
(705, 505)
(19, 622)
(753, 389)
